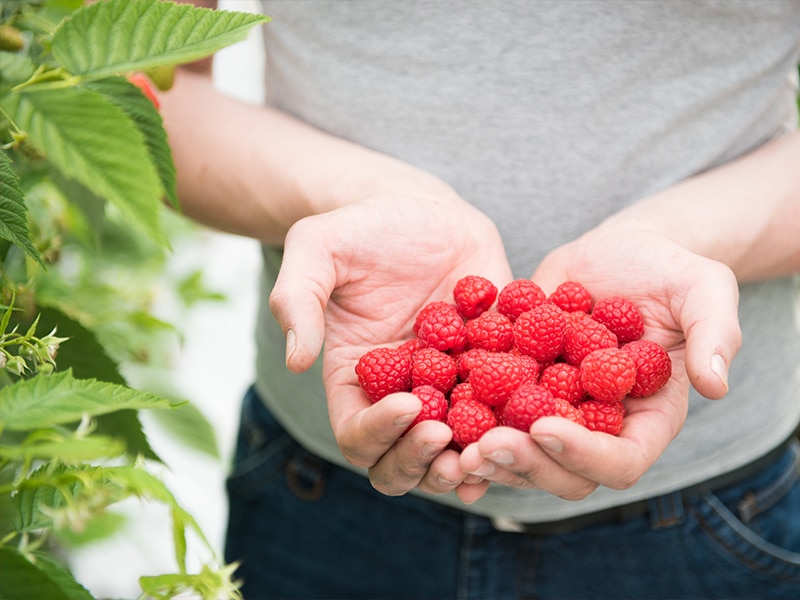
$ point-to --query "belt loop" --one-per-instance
(666, 511)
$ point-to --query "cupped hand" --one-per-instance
(689, 304)
(356, 277)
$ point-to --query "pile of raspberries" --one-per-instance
(492, 359)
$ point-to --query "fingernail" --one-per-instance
(405, 420)
(431, 450)
(502, 457)
(719, 369)
(485, 470)
(549, 442)
(445, 482)
(291, 344)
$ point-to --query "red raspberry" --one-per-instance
(568, 411)
(434, 405)
(466, 360)
(433, 367)
(527, 404)
(603, 416)
(571, 296)
(491, 331)
(440, 326)
(540, 332)
(411, 346)
(383, 371)
(462, 391)
(583, 336)
(621, 316)
(653, 367)
(469, 420)
(474, 295)
(496, 377)
(564, 381)
(141, 81)
(518, 296)
(608, 374)
(530, 366)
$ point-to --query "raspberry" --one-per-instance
(540, 332)
(583, 336)
(469, 420)
(603, 416)
(653, 367)
(564, 381)
(440, 326)
(466, 360)
(433, 367)
(495, 377)
(434, 405)
(530, 366)
(608, 374)
(571, 296)
(568, 411)
(518, 296)
(461, 391)
(411, 346)
(621, 316)
(474, 295)
(383, 371)
(528, 403)
(491, 331)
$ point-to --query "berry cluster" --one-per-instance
(511, 357)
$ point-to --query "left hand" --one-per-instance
(689, 304)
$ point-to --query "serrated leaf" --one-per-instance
(189, 426)
(90, 139)
(71, 450)
(13, 212)
(45, 580)
(109, 38)
(44, 401)
(148, 120)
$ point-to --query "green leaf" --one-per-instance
(90, 139)
(148, 120)
(47, 400)
(109, 38)
(14, 69)
(71, 450)
(188, 425)
(44, 580)
(13, 212)
(100, 527)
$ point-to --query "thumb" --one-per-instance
(300, 294)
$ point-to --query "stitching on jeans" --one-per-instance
(754, 503)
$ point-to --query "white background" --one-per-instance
(212, 368)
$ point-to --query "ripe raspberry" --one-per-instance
(540, 332)
(571, 296)
(603, 416)
(527, 404)
(568, 411)
(411, 346)
(621, 316)
(491, 331)
(466, 360)
(434, 405)
(141, 81)
(608, 374)
(518, 296)
(474, 295)
(530, 366)
(583, 336)
(461, 391)
(383, 371)
(469, 420)
(496, 377)
(435, 368)
(564, 381)
(653, 367)
(440, 326)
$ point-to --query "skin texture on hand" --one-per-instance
(356, 277)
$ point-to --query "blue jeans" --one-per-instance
(304, 528)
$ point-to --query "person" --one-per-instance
(644, 149)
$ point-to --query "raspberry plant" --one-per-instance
(86, 178)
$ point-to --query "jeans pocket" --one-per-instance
(754, 527)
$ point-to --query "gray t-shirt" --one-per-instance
(549, 117)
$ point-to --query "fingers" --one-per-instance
(708, 315)
(298, 299)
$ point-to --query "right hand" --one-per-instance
(356, 277)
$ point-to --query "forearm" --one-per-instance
(745, 214)
(255, 171)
